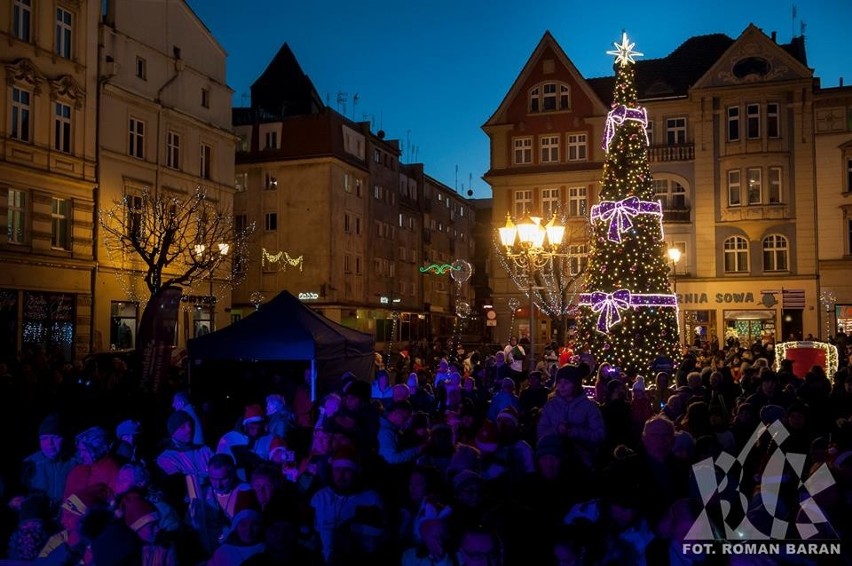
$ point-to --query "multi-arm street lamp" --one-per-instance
(212, 258)
(525, 246)
(675, 255)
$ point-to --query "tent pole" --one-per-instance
(313, 380)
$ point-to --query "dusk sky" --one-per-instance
(430, 73)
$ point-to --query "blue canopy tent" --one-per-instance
(284, 329)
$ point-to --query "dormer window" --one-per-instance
(549, 97)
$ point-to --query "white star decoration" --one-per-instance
(624, 53)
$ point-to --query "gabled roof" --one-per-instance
(283, 89)
(547, 41)
(684, 68)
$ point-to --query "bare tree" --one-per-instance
(176, 239)
(556, 283)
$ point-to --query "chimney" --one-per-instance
(774, 36)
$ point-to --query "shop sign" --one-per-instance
(720, 298)
(308, 296)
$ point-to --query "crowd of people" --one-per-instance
(461, 459)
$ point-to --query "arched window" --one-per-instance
(736, 255)
(775, 253)
(549, 97)
(670, 193)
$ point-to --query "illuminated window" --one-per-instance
(755, 185)
(577, 201)
(549, 97)
(522, 203)
(736, 255)
(523, 151)
(549, 203)
(549, 149)
(21, 115)
(670, 193)
(576, 147)
(775, 253)
(271, 140)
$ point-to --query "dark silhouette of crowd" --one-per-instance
(439, 458)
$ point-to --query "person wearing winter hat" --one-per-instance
(96, 465)
(249, 433)
(280, 420)
(32, 532)
(124, 447)
(505, 398)
(513, 452)
(242, 540)
(223, 497)
(64, 546)
(143, 519)
(391, 427)
(135, 481)
(181, 456)
(181, 402)
(46, 471)
(337, 504)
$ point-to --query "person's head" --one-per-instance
(499, 358)
(616, 390)
(254, 422)
(382, 378)
(693, 379)
(127, 430)
(399, 414)
(180, 400)
(768, 382)
(569, 382)
(469, 487)
(92, 445)
(131, 476)
(345, 466)
(513, 340)
(265, 481)
(549, 455)
(51, 437)
(274, 404)
(412, 382)
(400, 392)
(797, 416)
(658, 437)
(662, 379)
(222, 473)
(181, 427)
(534, 379)
(479, 547)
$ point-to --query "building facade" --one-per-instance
(730, 125)
(342, 223)
(164, 129)
(48, 186)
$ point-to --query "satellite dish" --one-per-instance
(380, 134)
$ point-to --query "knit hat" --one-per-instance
(137, 511)
(253, 414)
(127, 428)
(465, 477)
(345, 457)
(276, 445)
(177, 420)
(507, 383)
(486, 437)
(96, 441)
(509, 413)
(51, 426)
(549, 445)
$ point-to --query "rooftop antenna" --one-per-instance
(802, 26)
(470, 182)
(408, 143)
(457, 178)
(355, 100)
(793, 21)
(341, 102)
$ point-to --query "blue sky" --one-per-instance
(431, 72)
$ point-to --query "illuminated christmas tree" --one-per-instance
(628, 312)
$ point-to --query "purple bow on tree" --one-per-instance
(618, 213)
(617, 117)
(608, 305)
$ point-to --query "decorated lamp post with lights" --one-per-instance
(828, 301)
(211, 257)
(525, 246)
(628, 310)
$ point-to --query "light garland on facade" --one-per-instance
(282, 258)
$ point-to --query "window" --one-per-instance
(15, 217)
(736, 255)
(733, 123)
(649, 131)
(347, 223)
(523, 151)
(773, 122)
(357, 187)
(136, 140)
(775, 253)
(752, 121)
(134, 216)
(59, 223)
(240, 224)
(377, 156)
(62, 127)
(357, 265)
(774, 174)
(670, 193)
(240, 182)
(347, 263)
(271, 182)
(270, 221)
(347, 183)
(577, 259)
(549, 97)
(676, 131)
(849, 174)
(63, 33)
(755, 186)
(141, 68)
(549, 203)
(523, 203)
(550, 149)
(576, 147)
(173, 150)
(206, 161)
(205, 97)
(734, 197)
(577, 201)
(21, 116)
(271, 140)
(21, 19)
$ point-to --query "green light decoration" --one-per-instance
(440, 268)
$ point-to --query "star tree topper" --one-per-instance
(624, 53)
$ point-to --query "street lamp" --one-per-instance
(211, 259)
(828, 301)
(674, 255)
(531, 254)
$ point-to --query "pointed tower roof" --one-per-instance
(547, 42)
(283, 89)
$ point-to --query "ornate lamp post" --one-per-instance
(674, 255)
(525, 246)
(828, 301)
(211, 258)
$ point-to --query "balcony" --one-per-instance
(662, 153)
(676, 214)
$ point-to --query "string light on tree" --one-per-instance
(628, 310)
